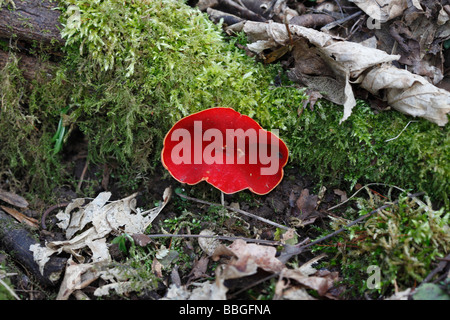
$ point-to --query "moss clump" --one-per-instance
(403, 241)
(357, 150)
(25, 136)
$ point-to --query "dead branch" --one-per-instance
(16, 240)
(32, 21)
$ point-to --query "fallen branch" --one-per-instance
(295, 250)
(261, 241)
(15, 239)
(32, 21)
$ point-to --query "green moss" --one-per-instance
(26, 162)
(357, 150)
(403, 241)
(130, 71)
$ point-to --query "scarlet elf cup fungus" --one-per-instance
(229, 150)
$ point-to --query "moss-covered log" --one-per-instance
(31, 67)
(130, 71)
(32, 21)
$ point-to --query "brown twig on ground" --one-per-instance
(261, 241)
(83, 173)
(441, 265)
(235, 210)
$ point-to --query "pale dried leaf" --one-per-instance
(77, 276)
(13, 199)
(262, 256)
(204, 291)
(208, 245)
(382, 10)
(401, 295)
(409, 93)
(341, 193)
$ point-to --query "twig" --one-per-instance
(367, 185)
(235, 210)
(262, 241)
(340, 21)
(9, 289)
(301, 248)
(83, 173)
(45, 214)
(297, 249)
(439, 268)
(400, 131)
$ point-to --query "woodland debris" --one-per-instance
(330, 65)
(32, 21)
(15, 239)
(104, 218)
(13, 199)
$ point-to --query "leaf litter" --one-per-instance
(396, 56)
(87, 227)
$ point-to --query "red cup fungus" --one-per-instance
(225, 148)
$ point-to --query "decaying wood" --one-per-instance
(32, 67)
(231, 6)
(15, 239)
(32, 21)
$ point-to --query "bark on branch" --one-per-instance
(15, 239)
(32, 21)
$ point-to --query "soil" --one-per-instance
(278, 206)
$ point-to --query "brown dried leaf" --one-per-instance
(306, 203)
(220, 251)
(19, 216)
(199, 269)
(320, 284)
(262, 256)
(341, 193)
(141, 239)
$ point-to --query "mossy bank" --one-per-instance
(130, 71)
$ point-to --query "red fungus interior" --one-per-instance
(225, 148)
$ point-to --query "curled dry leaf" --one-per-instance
(250, 257)
(13, 199)
(88, 227)
(338, 63)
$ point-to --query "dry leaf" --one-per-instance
(382, 10)
(341, 193)
(141, 239)
(409, 93)
(208, 245)
(13, 199)
(199, 269)
(306, 203)
(19, 216)
(204, 291)
(337, 62)
(103, 219)
(262, 256)
(77, 276)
